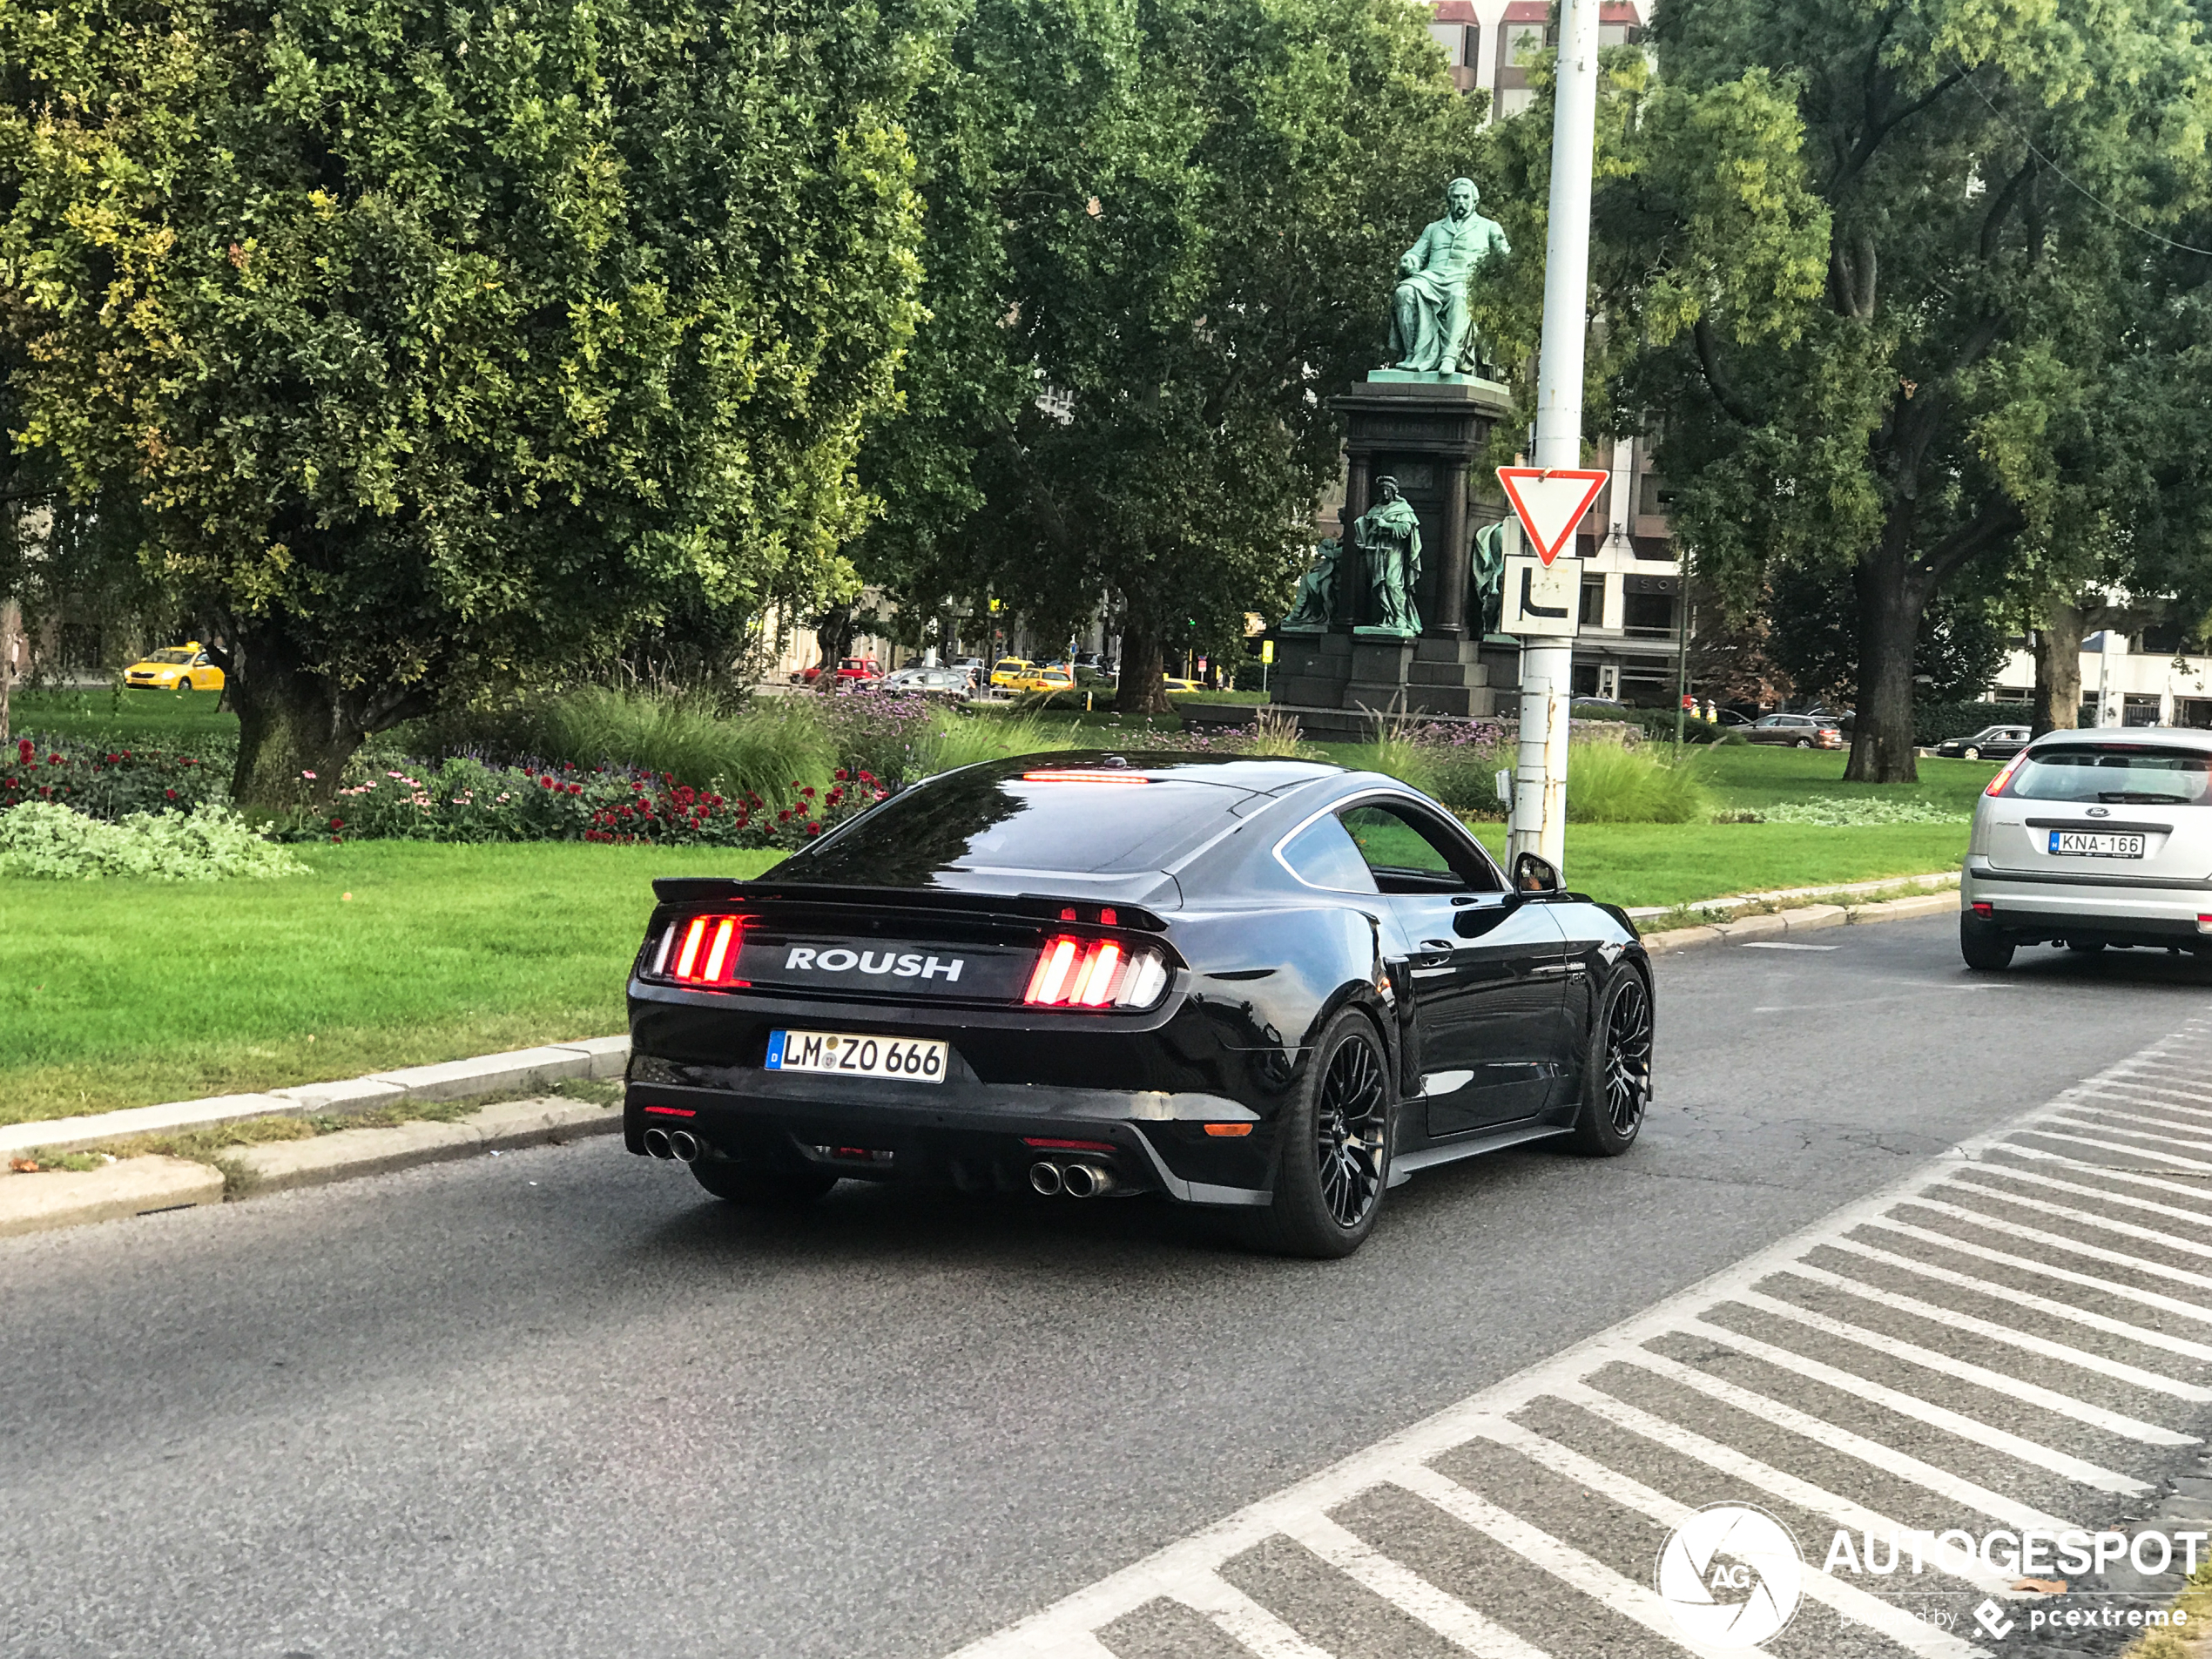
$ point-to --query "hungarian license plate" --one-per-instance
(2095, 844)
(844, 1054)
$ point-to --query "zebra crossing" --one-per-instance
(2016, 1339)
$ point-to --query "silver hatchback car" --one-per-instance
(2089, 839)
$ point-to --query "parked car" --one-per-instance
(1009, 671)
(1795, 731)
(178, 668)
(2088, 840)
(1990, 743)
(1053, 678)
(848, 668)
(932, 682)
(1172, 684)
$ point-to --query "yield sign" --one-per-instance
(1551, 501)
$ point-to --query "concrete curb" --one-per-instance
(136, 1186)
(1778, 923)
(598, 1058)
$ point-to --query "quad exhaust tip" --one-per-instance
(683, 1145)
(1045, 1176)
(657, 1144)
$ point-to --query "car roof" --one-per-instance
(2156, 737)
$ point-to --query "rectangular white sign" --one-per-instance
(1542, 599)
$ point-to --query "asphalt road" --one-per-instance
(561, 1403)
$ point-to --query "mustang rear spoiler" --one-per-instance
(709, 889)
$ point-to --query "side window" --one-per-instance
(1408, 852)
(1323, 855)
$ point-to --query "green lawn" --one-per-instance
(167, 718)
(126, 992)
(1749, 775)
(1676, 863)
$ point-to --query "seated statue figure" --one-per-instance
(1314, 606)
(1430, 326)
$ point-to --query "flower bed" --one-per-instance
(108, 782)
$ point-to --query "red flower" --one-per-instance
(783, 815)
(838, 774)
(171, 793)
(53, 760)
(576, 789)
(808, 791)
(813, 829)
(835, 796)
(545, 783)
(112, 759)
(569, 767)
(338, 823)
(27, 749)
(336, 840)
(867, 777)
(45, 789)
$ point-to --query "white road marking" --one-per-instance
(1981, 1174)
(1187, 1571)
(2080, 1358)
(2148, 1336)
(1825, 1434)
(2102, 1224)
(2028, 1393)
(1966, 1429)
(1776, 944)
(1401, 1587)
(2109, 1120)
(1791, 1488)
(1847, 1599)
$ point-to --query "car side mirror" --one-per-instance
(1532, 874)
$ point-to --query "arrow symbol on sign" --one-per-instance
(1550, 502)
(1528, 605)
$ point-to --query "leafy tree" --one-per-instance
(1960, 178)
(1180, 218)
(1960, 648)
(445, 345)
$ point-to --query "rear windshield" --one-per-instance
(2115, 771)
(980, 821)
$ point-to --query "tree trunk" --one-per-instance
(1890, 602)
(2057, 665)
(295, 730)
(1139, 691)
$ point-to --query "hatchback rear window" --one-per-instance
(986, 819)
(2115, 773)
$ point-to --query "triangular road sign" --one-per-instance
(1551, 501)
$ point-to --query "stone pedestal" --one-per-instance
(1425, 431)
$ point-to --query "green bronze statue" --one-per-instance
(1430, 330)
(1389, 539)
(1314, 605)
(1486, 577)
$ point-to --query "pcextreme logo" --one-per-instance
(1731, 1576)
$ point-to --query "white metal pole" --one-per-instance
(1547, 666)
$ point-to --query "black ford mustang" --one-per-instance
(1269, 985)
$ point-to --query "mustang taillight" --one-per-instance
(702, 950)
(1074, 972)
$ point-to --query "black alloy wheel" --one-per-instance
(1617, 1073)
(1333, 1148)
(1351, 1120)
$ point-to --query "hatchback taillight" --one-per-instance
(702, 950)
(2004, 774)
(1073, 973)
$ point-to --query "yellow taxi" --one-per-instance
(1054, 678)
(179, 668)
(1169, 682)
(1008, 673)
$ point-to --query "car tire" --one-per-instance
(184, 682)
(1333, 1148)
(1986, 950)
(1969, 754)
(1804, 743)
(762, 1184)
(1616, 1067)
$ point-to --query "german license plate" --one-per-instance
(2095, 844)
(844, 1054)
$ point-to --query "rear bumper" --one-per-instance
(2031, 906)
(976, 1136)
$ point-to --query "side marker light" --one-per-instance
(1227, 1131)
